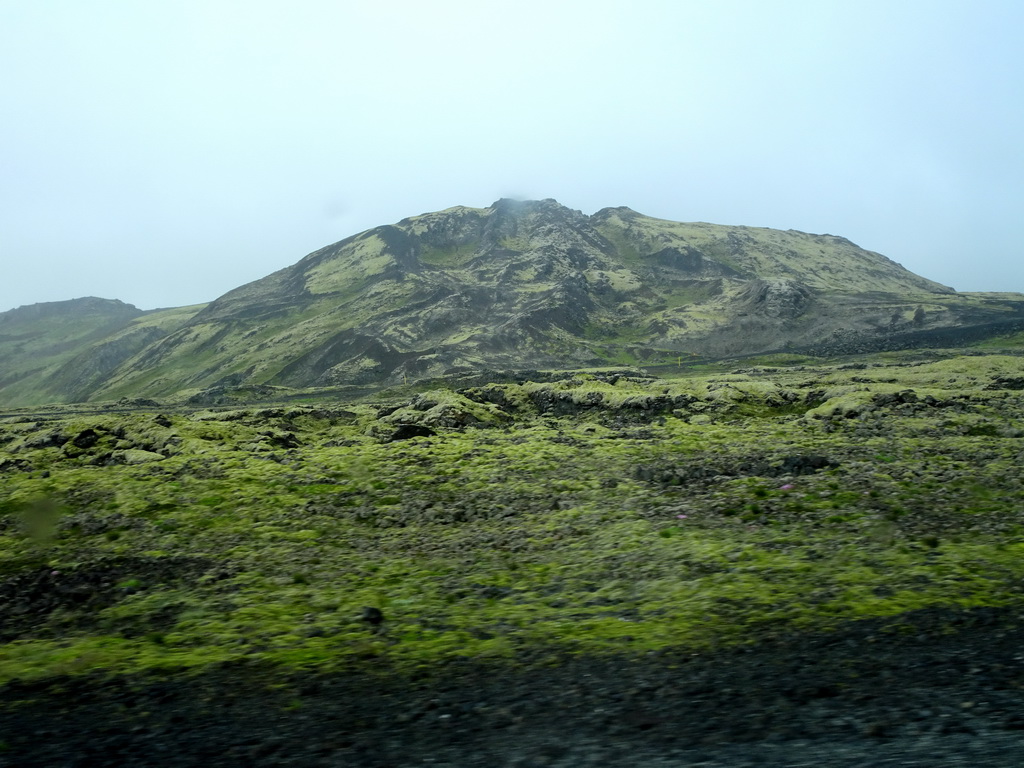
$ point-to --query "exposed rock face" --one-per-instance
(784, 299)
(524, 284)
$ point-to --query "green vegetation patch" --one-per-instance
(610, 512)
(451, 256)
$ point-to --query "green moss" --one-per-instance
(452, 256)
(535, 536)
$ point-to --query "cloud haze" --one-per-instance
(164, 153)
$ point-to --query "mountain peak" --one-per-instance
(513, 204)
(619, 211)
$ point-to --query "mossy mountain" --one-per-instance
(517, 285)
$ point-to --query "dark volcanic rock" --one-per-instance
(1007, 382)
(137, 402)
(51, 439)
(797, 464)
(372, 616)
(407, 431)
(85, 439)
(783, 299)
(27, 599)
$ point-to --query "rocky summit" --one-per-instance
(517, 285)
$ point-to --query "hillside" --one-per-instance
(35, 340)
(523, 285)
(61, 351)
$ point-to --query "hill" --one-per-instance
(522, 285)
(61, 351)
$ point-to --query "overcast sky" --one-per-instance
(163, 153)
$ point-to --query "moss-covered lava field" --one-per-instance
(519, 525)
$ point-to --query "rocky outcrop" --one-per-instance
(779, 298)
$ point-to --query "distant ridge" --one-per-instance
(88, 306)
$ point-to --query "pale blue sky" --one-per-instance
(163, 153)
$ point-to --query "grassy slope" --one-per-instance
(44, 347)
(530, 539)
(215, 346)
(38, 339)
(823, 262)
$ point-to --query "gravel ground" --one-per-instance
(933, 688)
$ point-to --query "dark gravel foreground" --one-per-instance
(932, 688)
